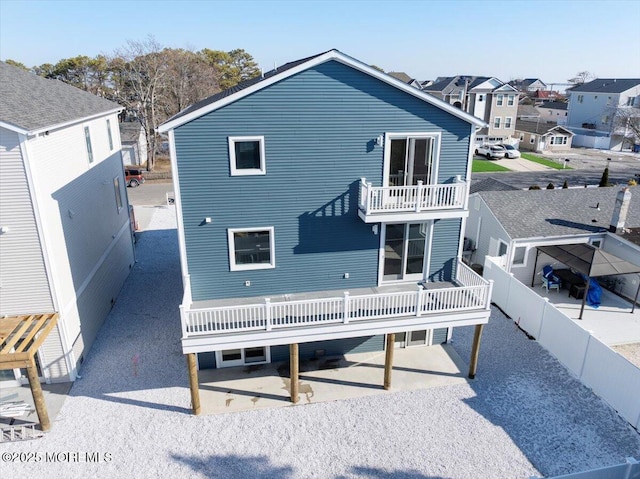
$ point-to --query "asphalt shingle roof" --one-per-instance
(31, 102)
(538, 127)
(490, 184)
(558, 212)
(607, 85)
(555, 105)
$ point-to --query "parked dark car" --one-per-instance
(133, 177)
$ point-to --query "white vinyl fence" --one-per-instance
(596, 365)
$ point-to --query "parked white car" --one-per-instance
(491, 152)
(510, 151)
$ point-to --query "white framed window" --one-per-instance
(251, 248)
(502, 248)
(511, 100)
(507, 121)
(631, 101)
(246, 154)
(521, 137)
(558, 140)
(240, 357)
(580, 98)
(118, 193)
(109, 135)
(500, 100)
(496, 122)
(609, 101)
(520, 256)
(532, 140)
(87, 137)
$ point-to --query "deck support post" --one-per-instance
(388, 360)
(193, 383)
(584, 297)
(475, 350)
(294, 370)
(38, 397)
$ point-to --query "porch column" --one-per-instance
(294, 370)
(388, 360)
(38, 397)
(193, 383)
(584, 297)
(475, 349)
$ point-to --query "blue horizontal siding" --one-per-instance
(319, 127)
(440, 335)
(444, 249)
(337, 347)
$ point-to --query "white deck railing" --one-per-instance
(417, 198)
(473, 294)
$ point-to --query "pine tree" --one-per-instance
(604, 181)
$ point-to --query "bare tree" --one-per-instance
(581, 78)
(139, 74)
(626, 123)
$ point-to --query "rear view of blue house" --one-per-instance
(321, 207)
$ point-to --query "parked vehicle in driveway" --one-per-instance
(133, 177)
(510, 151)
(491, 152)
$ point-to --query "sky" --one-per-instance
(426, 39)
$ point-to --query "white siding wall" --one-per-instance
(23, 279)
(82, 226)
(489, 228)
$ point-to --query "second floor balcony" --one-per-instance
(412, 203)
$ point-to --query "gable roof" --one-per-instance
(541, 127)
(246, 88)
(607, 85)
(559, 212)
(402, 76)
(30, 103)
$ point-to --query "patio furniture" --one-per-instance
(549, 279)
(573, 282)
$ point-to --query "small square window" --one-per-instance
(251, 248)
(519, 255)
(246, 154)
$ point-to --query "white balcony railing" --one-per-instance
(417, 198)
(474, 293)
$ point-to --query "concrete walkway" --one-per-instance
(329, 379)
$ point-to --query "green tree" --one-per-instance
(232, 67)
(604, 181)
(14, 63)
(565, 185)
(45, 70)
(550, 186)
(534, 187)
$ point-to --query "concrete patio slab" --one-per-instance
(612, 323)
(54, 397)
(328, 379)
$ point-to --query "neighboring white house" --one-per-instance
(134, 143)
(512, 224)
(65, 236)
(593, 107)
(541, 136)
(553, 112)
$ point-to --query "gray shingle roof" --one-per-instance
(490, 184)
(555, 105)
(31, 102)
(559, 212)
(607, 85)
(540, 127)
(528, 110)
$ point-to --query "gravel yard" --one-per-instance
(524, 414)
